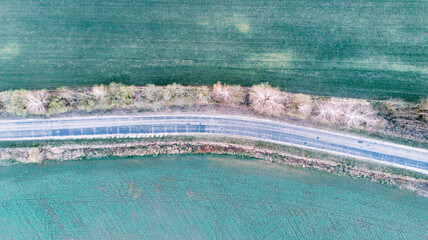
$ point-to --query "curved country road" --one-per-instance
(254, 128)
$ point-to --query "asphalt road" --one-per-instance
(272, 131)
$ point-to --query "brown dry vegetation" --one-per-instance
(179, 145)
(267, 100)
(300, 105)
(36, 102)
(231, 95)
(351, 113)
(398, 118)
(405, 119)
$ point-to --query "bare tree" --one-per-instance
(358, 115)
(203, 95)
(301, 105)
(232, 95)
(221, 93)
(329, 111)
(99, 92)
(267, 100)
(36, 101)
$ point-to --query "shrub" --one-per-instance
(122, 95)
(361, 115)
(173, 91)
(36, 102)
(84, 101)
(99, 92)
(353, 116)
(1, 101)
(221, 93)
(148, 98)
(64, 100)
(70, 96)
(35, 155)
(57, 106)
(351, 113)
(422, 110)
(178, 95)
(329, 111)
(301, 105)
(424, 103)
(267, 100)
(155, 106)
(151, 93)
(238, 95)
(383, 110)
(14, 102)
(228, 95)
(203, 95)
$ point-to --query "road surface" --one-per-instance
(254, 128)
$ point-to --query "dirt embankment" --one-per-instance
(143, 148)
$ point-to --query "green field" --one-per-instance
(199, 197)
(364, 49)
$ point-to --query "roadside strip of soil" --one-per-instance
(89, 149)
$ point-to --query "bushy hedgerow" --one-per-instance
(267, 100)
(58, 106)
(352, 113)
(232, 95)
(406, 119)
(422, 110)
(148, 98)
(36, 102)
(176, 95)
(121, 95)
(300, 105)
(203, 95)
(402, 118)
(14, 102)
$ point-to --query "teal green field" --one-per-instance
(199, 197)
(362, 49)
